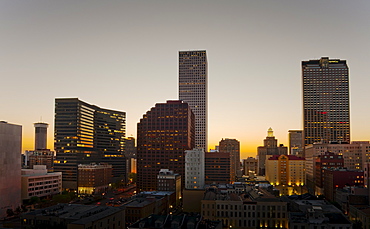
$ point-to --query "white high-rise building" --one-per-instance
(194, 169)
(193, 77)
(10, 167)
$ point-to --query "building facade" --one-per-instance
(325, 161)
(355, 155)
(41, 157)
(94, 178)
(217, 168)
(286, 173)
(194, 169)
(250, 166)
(170, 181)
(232, 146)
(41, 132)
(193, 89)
(10, 169)
(269, 148)
(84, 134)
(326, 114)
(39, 182)
(296, 142)
(163, 135)
(338, 178)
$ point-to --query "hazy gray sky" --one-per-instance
(123, 55)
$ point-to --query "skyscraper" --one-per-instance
(84, 134)
(10, 167)
(163, 135)
(41, 131)
(193, 77)
(325, 101)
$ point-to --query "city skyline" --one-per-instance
(124, 56)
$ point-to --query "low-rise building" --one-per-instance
(146, 203)
(316, 214)
(351, 195)
(169, 181)
(41, 157)
(179, 221)
(38, 182)
(75, 216)
(248, 208)
(338, 178)
(94, 178)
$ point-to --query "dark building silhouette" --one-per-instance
(327, 160)
(85, 134)
(218, 168)
(163, 135)
(232, 146)
(326, 115)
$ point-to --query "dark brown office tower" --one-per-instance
(163, 135)
(232, 146)
(217, 168)
(325, 101)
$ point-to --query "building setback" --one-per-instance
(163, 135)
(10, 167)
(84, 134)
(326, 115)
(193, 89)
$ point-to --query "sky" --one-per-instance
(123, 55)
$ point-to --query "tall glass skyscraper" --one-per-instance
(84, 134)
(326, 116)
(193, 89)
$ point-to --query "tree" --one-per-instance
(9, 212)
(34, 200)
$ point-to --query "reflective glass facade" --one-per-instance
(84, 134)
(326, 116)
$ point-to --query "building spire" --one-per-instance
(270, 132)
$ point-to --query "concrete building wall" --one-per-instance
(194, 169)
(38, 182)
(10, 166)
